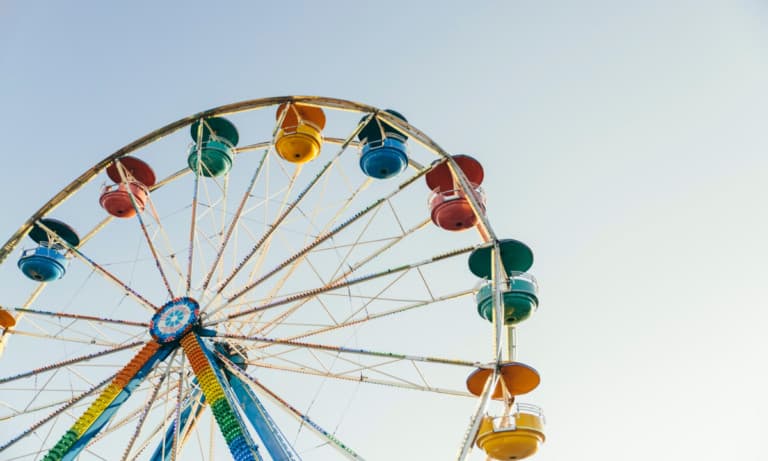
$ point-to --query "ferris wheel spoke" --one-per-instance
(287, 210)
(324, 236)
(356, 370)
(263, 244)
(325, 371)
(339, 278)
(201, 169)
(45, 391)
(82, 358)
(243, 202)
(402, 229)
(319, 300)
(359, 377)
(351, 247)
(196, 191)
(160, 229)
(66, 315)
(165, 449)
(195, 409)
(170, 178)
(6, 333)
(266, 237)
(305, 250)
(99, 269)
(156, 431)
(48, 432)
(367, 304)
(295, 265)
(48, 328)
(275, 289)
(252, 147)
(95, 230)
(31, 334)
(387, 313)
(177, 419)
(297, 262)
(121, 169)
(32, 454)
(204, 235)
(14, 412)
(191, 409)
(345, 257)
(348, 350)
(341, 447)
(335, 286)
(360, 243)
(375, 368)
(233, 224)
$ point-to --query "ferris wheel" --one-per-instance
(229, 283)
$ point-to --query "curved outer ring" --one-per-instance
(242, 106)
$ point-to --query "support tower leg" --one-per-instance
(217, 394)
(106, 405)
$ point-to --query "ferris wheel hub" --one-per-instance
(175, 319)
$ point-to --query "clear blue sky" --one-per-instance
(624, 141)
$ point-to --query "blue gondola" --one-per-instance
(48, 261)
(383, 148)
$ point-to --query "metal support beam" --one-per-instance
(217, 392)
(164, 450)
(340, 447)
(101, 411)
(274, 441)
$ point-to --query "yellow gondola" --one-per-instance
(514, 436)
(299, 139)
